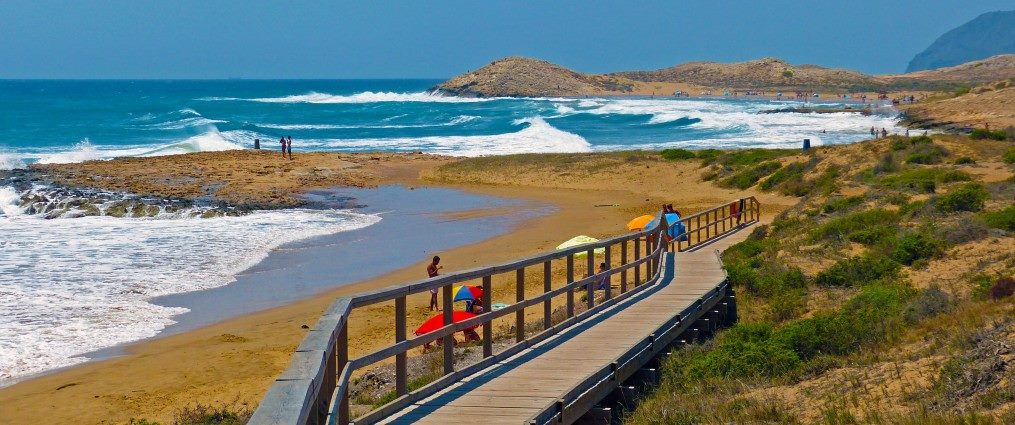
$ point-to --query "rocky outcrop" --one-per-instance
(769, 73)
(523, 77)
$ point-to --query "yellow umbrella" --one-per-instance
(580, 240)
(639, 222)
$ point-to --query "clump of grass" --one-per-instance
(968, 197)
(928, 303)
(886, 164)
(984, 134)
(741, 158)
(677, 154)
(840, 228)
(838, 203)
(750, 176)
(1002, 219)
(201, 414)
(857, 271)
(926, 154)
(1008, 156)
(923, 179)
(913, 247)
(794, 171)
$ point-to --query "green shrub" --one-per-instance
(843, 226)
(839, 203)
(924, 179)
(747, 178)
(873, 235)
(1009, 156)
(856, 271)
(915, 246)
(964, 160)
(677, 154)
(926, 154)
(899, 144)
(870, 316)
(708, 156)
(787, 73)
(916, 140)
(748, 157)
(981, 134)
(1002, 219)
(791, 171)
(743, 351)
(886, 164)
(968, 197)
(962, 90)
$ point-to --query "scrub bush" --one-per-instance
(789, 172)
(856, 271)
(1009, 156)
(1003, 219)
(915, 246)
(841, 227)
(981, 134)
(747, 178)
(926, 154)
(923, 179)
(1004, 287)
(968, 197)
(677, 154)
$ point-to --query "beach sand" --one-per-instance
(236, 360)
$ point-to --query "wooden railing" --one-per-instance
(314, 389)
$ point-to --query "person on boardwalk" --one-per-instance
(433, 270)
(282, 141)
(289, 147)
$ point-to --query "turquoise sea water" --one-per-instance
(68, 121)
(71, 279)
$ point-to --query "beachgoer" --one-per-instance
(874, 133)
(907, 132)
(735, 210)
(289, 147)
(282, 141)
(605, 280)
(433, 270)
(884, 133)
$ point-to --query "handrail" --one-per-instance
(314, 388)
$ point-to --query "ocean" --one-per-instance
(75, 277)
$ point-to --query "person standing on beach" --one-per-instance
(282, 141)
(289, 146)
(433, 270)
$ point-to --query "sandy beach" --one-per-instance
(235, 360)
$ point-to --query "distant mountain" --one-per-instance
(989, 34)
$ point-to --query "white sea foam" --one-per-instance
(182, 123)
(92, 289)
(82, 151)
(461, 119)
(210, 141)
(10, 162)
(537, 136)
(364, 97)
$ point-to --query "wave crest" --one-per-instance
(363, 97)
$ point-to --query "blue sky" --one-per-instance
(392, 39)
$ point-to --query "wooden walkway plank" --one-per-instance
(518, 387)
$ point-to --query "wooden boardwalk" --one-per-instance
(520, 387)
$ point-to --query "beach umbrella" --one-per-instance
(673, 220)
(639, 223)
(467, 293)
(437, 321)
(580, 240)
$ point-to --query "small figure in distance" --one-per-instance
(282, 141)
(289, 147)
(433, 270)
(884, 133)
(603, 281)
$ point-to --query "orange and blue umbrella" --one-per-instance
(638, 223)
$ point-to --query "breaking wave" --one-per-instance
(363, 97)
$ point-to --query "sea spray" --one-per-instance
(89, 293)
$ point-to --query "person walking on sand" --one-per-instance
(289, 147)
(433, 270)
(282, 141)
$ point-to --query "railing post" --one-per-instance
(547, 287)
(448, 342)
(488, 325)
(637, 256)
(609, 277)
(623, 262)
(519, 297)
(342, 358)
(401, 364)
(590, 290)
(570, 291)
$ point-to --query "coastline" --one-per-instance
(234, 361)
